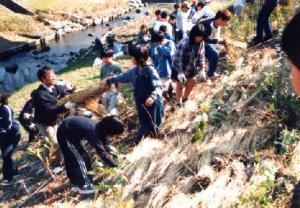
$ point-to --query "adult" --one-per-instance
(45, 99)
(188, 62)
(176, 10)
(9, 139)
(263, 27)
(213, 29)
(75, 129)
(183, 24)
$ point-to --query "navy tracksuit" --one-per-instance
(263, 22)
(9, 139)
(70, 133)
(26, 119)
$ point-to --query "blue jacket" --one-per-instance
(207, 23)
(162, 58)
(7, 121)
(152, 86)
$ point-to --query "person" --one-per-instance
(183, 24)
(147, 91)
(176, 10)
(71, 132)
(188, 62)
(144, 35)
(26, 119)
(9, 139)
(239, 6)
(161, 54)
(202, 12)
(164, 22)
(295, 201)
(157, 15)
(172, 22)
(193, 9)
(109, 68)
(164, 30)
(263, 25)
(213, 28)
(290, 44)
(45, 99)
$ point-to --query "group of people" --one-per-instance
(174, 52)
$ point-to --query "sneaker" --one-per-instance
(184, 100)
(267, 38)
(84, 190)
(7, 182)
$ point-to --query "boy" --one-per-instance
(109, 68)
(291, 46)
(75, 129)
(213, 28)
(161, 54)
(164, 21)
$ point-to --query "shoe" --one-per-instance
(109, 160)
(84, 190)
(184, 100)
(267, 38)
(7, 182)
(255, 41)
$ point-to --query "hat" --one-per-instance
(185, 4)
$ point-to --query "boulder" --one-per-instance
(12, 68)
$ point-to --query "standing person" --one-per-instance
(290, 44)
(183, 24)
(45, 98)
(75, 129)
(188, 62)
(176, 10)
(164, 22)
(9, 139)
(172, 22)
(193, 9)
(263, 27)
(213, 28)
(202, 12)
(109, 67)
(161, 53)
(157, 15)
(147, 92)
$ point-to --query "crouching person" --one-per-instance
(26, 119)
(147, 92)
(9, 139)
(77, 162)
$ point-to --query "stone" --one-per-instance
(12, 68)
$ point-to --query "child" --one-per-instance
(144, 35)
(69, 135)
(188, 62)
(147, 91)
(161, 53)
(202, 12)
(9, 139)
(163, 29)
(291, 46)
(109, 68)
(164, 20)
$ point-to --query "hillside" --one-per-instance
(234, 144)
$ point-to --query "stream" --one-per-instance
(58, 57)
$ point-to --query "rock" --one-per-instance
(147, 13)
(107, 25)
(128, 18)
(12, 68)
(2, 74)
(90, 34)
(138, 11)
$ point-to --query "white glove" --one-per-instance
(69, 105)
(32, 126)
(181, 78)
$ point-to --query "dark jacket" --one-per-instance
(77, 128)
(209, 28)
(7, 122)
(46, 111)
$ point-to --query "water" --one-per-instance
(57, 57)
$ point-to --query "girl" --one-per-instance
(9, 139)
(147, 91)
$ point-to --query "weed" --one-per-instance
(199, 132)
(219, 112)
(228, 90)
(286, 140)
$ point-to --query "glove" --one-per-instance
(181, 78)
(32, 127)
(69, 105)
